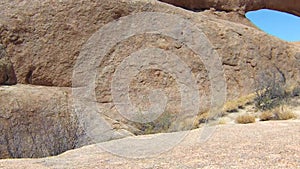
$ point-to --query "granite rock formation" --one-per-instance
(45, 39)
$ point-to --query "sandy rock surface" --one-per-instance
(258, 145)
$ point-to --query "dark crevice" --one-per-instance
(28, 79)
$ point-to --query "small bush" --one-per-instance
(278, 113)
(244, 119)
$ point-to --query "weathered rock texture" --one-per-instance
(7, 72)
(45, 38)
(289, 6)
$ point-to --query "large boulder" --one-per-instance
(7, 73)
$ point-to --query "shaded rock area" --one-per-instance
(45, 38)
(36, 122)
(39, 121)
(7, 72)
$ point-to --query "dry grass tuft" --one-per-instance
(202, 117)
(222, 121)
(244, 119)
(266, 115)
(234, 105)
(278, 113)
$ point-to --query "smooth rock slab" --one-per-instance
(259, 145)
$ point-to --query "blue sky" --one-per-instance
(280, 24)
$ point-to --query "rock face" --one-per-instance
(44, 44)
(289, 6)
(45, 39)
(7, 73)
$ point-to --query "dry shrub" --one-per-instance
(278, 113)
(266, 115)
(270, 89)
(244, 119)
(283, 113)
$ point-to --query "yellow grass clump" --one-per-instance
(234, 105)
(245, 119)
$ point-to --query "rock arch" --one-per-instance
(289, 6)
